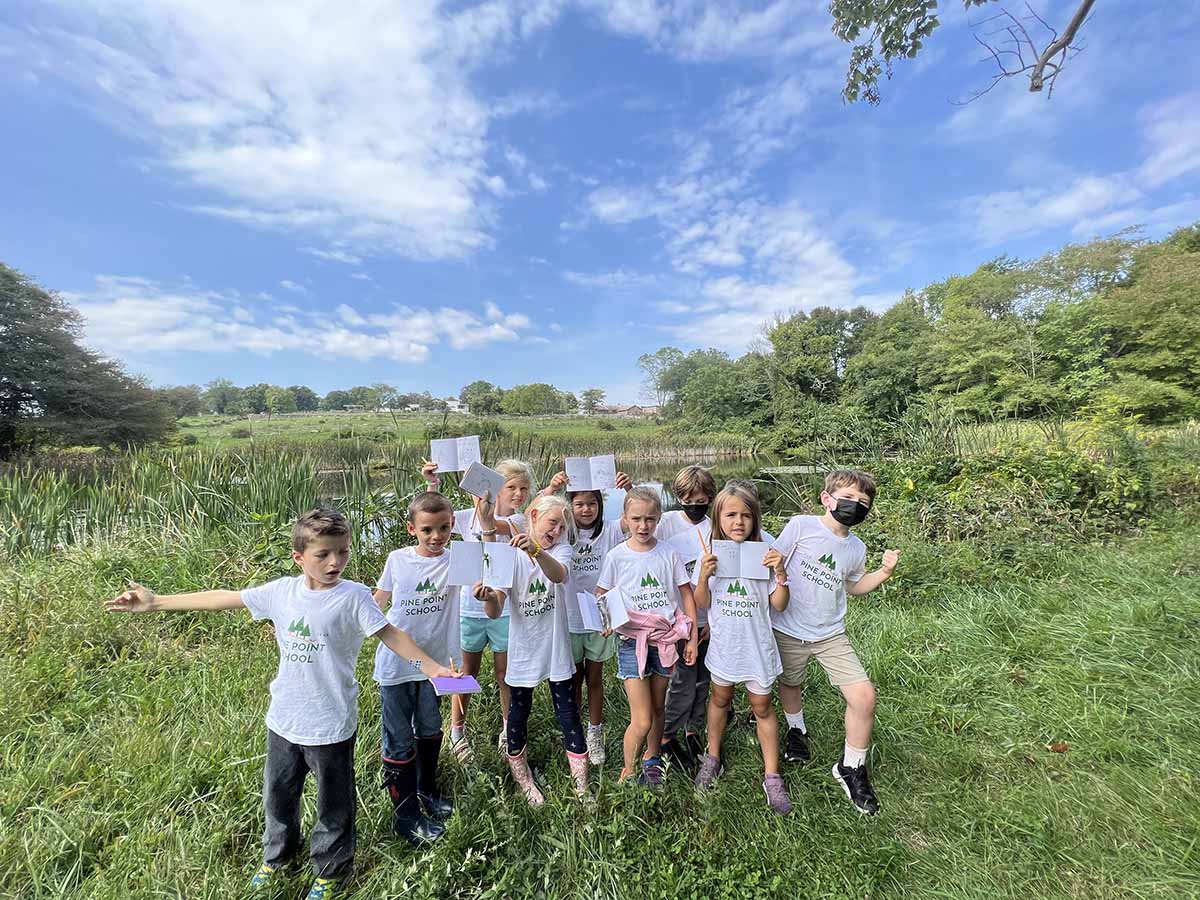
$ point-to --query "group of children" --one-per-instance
(690, 639)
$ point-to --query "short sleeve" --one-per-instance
(859, 567)
(263, 600)
(370, 618)
(563, 553)
(387, 581)
(607, 578)
(679, 571)
(460, 518)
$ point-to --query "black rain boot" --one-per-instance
(400, 780)
(437, 804)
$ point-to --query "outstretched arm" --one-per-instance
(405, 647)
(872, 580)
(140, 599)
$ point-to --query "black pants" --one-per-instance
(566, 710)
(687, 694)
(331, 845)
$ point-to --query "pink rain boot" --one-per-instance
(524, 779)
(579, 773)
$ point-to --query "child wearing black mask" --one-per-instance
(687, 695)
(825, 562)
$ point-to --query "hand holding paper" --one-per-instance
(742, 560)
(591, 473)
(455, 454)
(480, 481)
(474, 561)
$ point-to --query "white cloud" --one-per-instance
(1172, 129)
(359, 122)
(334, 254)
(618, 279)
(293, 286)
(135, 318)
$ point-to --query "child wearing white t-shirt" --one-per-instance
(422, 603)
(478, 630)
(662, 612)
(825, 563)
(539, 640)
(742, 647)
(320, 622)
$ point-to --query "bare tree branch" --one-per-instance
(1060, 44)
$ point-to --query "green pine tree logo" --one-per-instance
(298, 627)
(537, 586)
(426, 586)
(828, 560)
(650, 581)
(585, 549)
(738, 588)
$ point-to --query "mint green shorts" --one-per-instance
(593, 646)
(479, 633)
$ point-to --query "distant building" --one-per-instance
(627, 412)
(456, 406)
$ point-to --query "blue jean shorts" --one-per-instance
(627, 666)
(479, 633)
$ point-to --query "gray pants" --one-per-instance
(687, 694)
(331, 845)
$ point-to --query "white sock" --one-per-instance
(796, 720)
(852, 757)
(592, 727)
(457, 732)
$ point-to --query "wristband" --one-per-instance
(537, 549)
(491, 532)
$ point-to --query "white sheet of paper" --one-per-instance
(729, 559)
(752, 553)
(687, 545)
(617, 615)
(466, 562)
(589, 611)
(499, 565)
(455, 454)
(614, 504)
(579, 473)
(479, 480)
(604, 472)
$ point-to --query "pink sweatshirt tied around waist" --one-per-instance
(664, 632)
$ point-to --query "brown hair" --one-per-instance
(318, 523)
(694, 479)
(429, 502)
(855, 478)
(646, 495)
(737, 490)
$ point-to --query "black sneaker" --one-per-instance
(697, 749)
(677, 756)
(857, 786)
(796, 749)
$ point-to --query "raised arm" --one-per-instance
(139, 599)
(872, 580)
(702, 593)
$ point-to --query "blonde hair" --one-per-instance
(515, 468)
(546, 503)
(694, 479)
(646, 495)
(737, 491)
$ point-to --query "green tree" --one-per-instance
(482, 398)
(184, 399)
(654, 366)
(533, 400)
(54, 390)
(280, 400)
(336, 400)
(306, 398)
(253, 398)
(591, 400)
(885, 375)
(220, 394)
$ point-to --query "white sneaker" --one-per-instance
(595, 746)
(502, 743)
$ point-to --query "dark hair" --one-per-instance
(596, 526)
(318, 523)
(737, 490)
(429, 502)
(853, 478)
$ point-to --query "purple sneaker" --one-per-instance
(710, 768)
(777, 795)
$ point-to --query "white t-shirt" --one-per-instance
(675, 522)
(742, 646)
(467, 524)
(648, 580)
(422, 605)
(539, 644)
(585, 568)
(314, 697)
(817, 574)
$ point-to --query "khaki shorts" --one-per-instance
(835, 654)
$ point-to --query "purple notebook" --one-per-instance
(464, 684)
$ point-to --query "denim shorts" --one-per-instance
(479, 633)
(627, 666)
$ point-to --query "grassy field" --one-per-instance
(319, 426)
(132, 750)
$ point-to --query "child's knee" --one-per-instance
(721, 699)
(861, 697)
(761, 706)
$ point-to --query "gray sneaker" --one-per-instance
(777, 795)
(595, 746)
(710, 768)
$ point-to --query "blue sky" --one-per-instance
(424, 194)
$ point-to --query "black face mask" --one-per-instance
(695, 511)
(849, 512)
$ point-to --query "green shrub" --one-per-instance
(240, 433)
